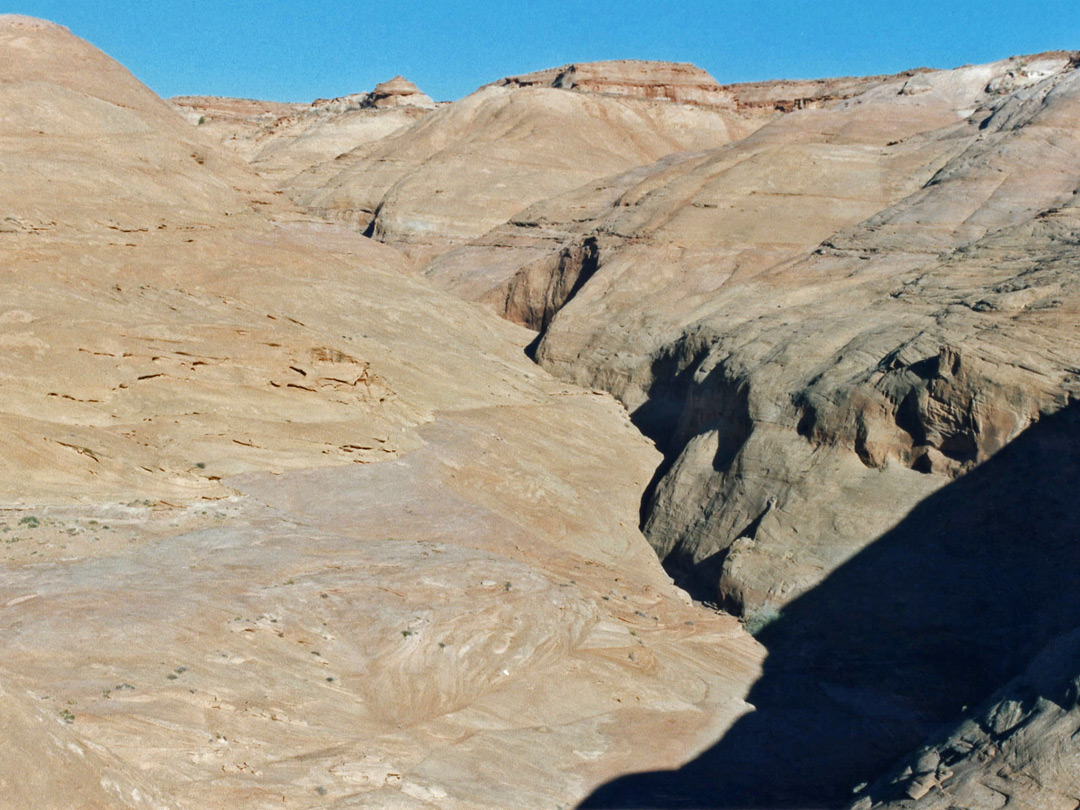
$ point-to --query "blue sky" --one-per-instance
(297, 51)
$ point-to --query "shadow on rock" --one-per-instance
(907, 635)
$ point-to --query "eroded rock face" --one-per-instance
(902, 640)
(689, 84)
(844, 309)
(822, 335)
(840, 297)
(399, 92)
(282, 140)
(822, 324)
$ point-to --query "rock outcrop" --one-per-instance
(902, 642)
(399, 92)
(823, 324)
(845, 310)
(725, 297)
(669, 81)
(283, 140)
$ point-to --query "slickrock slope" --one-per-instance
(520, 266)
(284, 526)
(472, 165)
(237, 122)
(85, 144)
(283, 523)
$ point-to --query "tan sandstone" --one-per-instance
(283, 524)
(286, 522)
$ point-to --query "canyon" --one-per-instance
(610, 437)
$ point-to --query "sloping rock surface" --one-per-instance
(472, 165)
(822, 325)
(285, 526)
(874, 296)
(79, 133)
(844, 309)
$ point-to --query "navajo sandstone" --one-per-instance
(360, 549)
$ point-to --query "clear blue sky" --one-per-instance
(291, 50)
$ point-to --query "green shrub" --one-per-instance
(757, 619)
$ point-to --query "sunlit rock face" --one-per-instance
(650, 80)
(820, 323)
(471, 165)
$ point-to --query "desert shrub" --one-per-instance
(757, 619)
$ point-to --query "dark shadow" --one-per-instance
(581, 264)
(534, 346)
(679, 408)
(697, 577)
(928, 620)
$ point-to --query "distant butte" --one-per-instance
(680, 82)
(399, 92)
